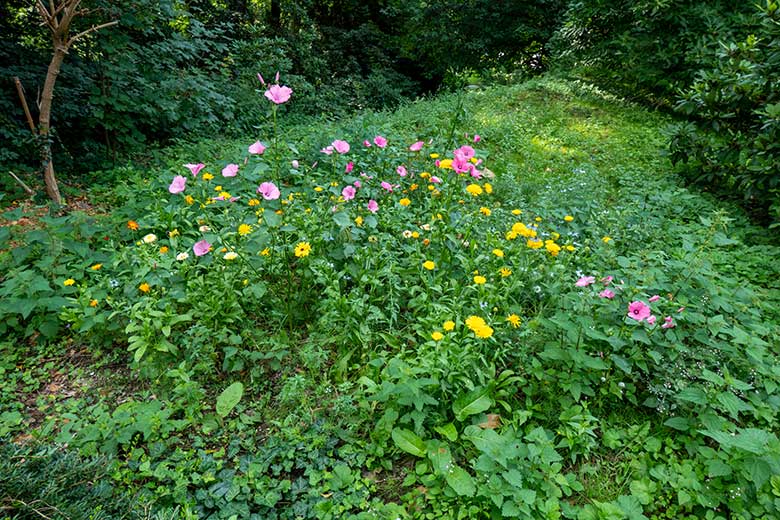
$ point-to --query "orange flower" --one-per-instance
(132, 225)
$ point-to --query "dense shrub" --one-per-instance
(732, 138)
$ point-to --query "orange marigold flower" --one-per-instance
(132, 225)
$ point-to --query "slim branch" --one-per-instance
(92, 29)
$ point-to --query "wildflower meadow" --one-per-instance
(495, 303)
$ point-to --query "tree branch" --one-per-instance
(91, 29)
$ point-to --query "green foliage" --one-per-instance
(731, 139)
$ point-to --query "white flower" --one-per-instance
(150, 238)
(230, 255)
(182, 256)
(204, 228)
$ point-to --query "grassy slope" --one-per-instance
(559, 148)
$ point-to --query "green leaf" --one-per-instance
(229, 398)
(473, 402)
(678, 423)
(693, 395)
(460, 481)
(342, 219)
(409, 442)
(448, 431)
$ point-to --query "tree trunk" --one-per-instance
(44, 122)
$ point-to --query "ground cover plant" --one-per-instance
(493, 304)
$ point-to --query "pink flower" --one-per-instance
(367, 143)
(230, 170)
(260, 77)
(435, 180)
(277, 77)
(651, 320)
(585, 281)
(328, 150)
(278, 94)
(401, 170)
(607, 280)
(340, 146)
(257, 148)
(349, 167)
(606, 293)
(178, 184)
(269, 191)
(373, 207)
(195, 168)
(348, 193)
(201, 248)
(416, 147)
(357, 184)
(477, 138)
(638, 310)
(295, 163)
(466, 150)
(680, 309)
(380, 141)
(386, 185)
(668, 323)
(654, 298)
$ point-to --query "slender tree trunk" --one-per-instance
(44, 120)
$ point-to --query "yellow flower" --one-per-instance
(484, 332)
(505, 271)
(188, 199)
(552, 247)
(359, 220)
(437, 336)
(207, 176)
(474, 189)
(223, 250)
(555, 235)
(485, 211)
(513, 320)
(302, 249)
(318, 188)
(569, 247)
(499, 253)
(425, 175)
(431, 187)
(93, 303)
(445, 164)
(538, 219)
(404, 202)
(96, 267)
(163, 250)
(334, 184)
(132, 225)
(426, 242)
(449, 325)
(429, 265)
(218, 188)
(511, 235)
(144, 287)
(434, 156)
(254, 202)
(413, 187)
(534, 244)
(473, 160)
(232, 255)
(244, 229)
(488, 188)
(265, 252)
(568, 218)
(173, 233)
(479, 280)
(278, 212)
(606, 240)
(68, 282)
(415, 234)
(516, 212)
(475, 322)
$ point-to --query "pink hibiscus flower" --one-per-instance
(401, 170)
(416, 147)
(348, 193)
(195, 168)
(380, 141)
(178, 184)
(373, 206)
(278, 94)
(269, 191)
(340, 146)
(230, 170)
(257, 148)
(606, 293)
(201, 248)
(668, 323)
(585, 281)
(638, 310)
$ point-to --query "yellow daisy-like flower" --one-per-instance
(173, 233)
(132, 225)
(429, 265)
(96, 267)
(516, 212)
(505, 271)
(404, 202)
(163, 250)
(513, 320)
(474, 189)
(188, 199)
(68, 282)
(434, 156)
(244, 229)
(569, 247)
(254, 202)
(568, 218)
(207, 176)
(606, 240)
(534, 244)
(475, 322)
(302, 249)
(232, 255)
(93, 303)
(485, 211)
(488, 188)
(265, 252)
(538, 219)
(413, 187)
(484, 332)
(448, 325)
(318, 188)
(218, 188)
(425, 175)
(479, 280)
(499, 253)
(334, 184)
(359, 220)
(511, 235)
(445, 164)
(144, 287)
(552, 247)
(437, 336)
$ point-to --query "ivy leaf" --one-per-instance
(229, 398)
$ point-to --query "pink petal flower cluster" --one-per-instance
(668, 323)
(606, 293)
(195, 168)
(585, 281)
(230, 170)
(340, 146)
(178, 184)
(348, 193)
(257, 148)
(269, 191)
(380, 141)
(201, 248)
(278, 94)
(373, 206)
(349, 167)
(387, 186)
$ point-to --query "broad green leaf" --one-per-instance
(473, 402)
(460, 481)
(678, 423)
(229, 398)
(448, 431)
(409, 442)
